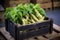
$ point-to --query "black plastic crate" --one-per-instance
(25, 31)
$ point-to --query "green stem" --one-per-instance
(23, 20)
(32, 21)
(39, 16)
(34, 17)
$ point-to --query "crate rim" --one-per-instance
(18, 25)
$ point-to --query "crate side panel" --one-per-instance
(11, 28)
(35, 33)
(34, 25)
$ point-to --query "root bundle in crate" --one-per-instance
(27, 20)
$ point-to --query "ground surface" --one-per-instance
(55, 14)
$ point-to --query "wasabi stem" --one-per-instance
(41, 20)
(29, 23)
(23, 20)
(34, 17)
(39, 16)
(32, 20)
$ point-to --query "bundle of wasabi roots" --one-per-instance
(25, 14)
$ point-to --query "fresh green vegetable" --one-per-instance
(25, 14)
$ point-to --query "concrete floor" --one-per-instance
(57, 38)
(55, 15)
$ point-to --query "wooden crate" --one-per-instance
(43, 1)
(20, 32)
(56, 4)
(14, 3)
(46, 6)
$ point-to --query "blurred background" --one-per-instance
(52, 8)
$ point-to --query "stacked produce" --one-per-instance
(25, 14)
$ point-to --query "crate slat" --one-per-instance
(41, 38)
(37, 38)
(53, 35)
(14, 3)
(31, 38)
(56, 4)
(56, 0)
(6, 34)
(44, 6)
(43, 1)
(56, 27)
